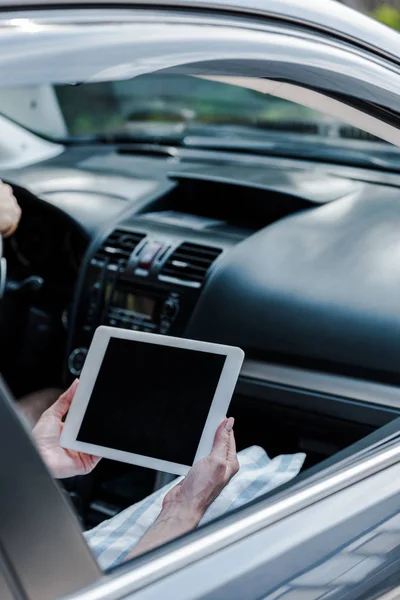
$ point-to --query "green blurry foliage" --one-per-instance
(387, 14)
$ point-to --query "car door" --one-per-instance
(337, 535)
(336, 71)
(42, 551)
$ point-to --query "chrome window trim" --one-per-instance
(243, 525)
(391, 595)
(326, 383)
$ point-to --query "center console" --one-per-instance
(141, 280)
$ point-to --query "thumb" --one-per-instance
(222, 438)
(61, 406)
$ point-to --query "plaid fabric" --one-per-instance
(112, 540)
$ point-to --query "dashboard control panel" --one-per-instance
(146, 310)
(139, 282)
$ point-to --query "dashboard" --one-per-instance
(295, 263)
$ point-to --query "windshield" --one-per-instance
(191, 111)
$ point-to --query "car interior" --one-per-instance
(183, 223)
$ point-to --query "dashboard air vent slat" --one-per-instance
(189, 264)
(117, 248)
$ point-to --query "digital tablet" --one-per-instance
(151, 400)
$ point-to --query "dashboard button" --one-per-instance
(76, 361)
(148, 254)
(170, 309)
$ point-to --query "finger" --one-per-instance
(11, 221)
(18, 211)
(221, 439)
(10, 230)
(3, 186)
(61, 406)
(94, 459)
(13, 202)
(6, 188)
(232, 447)
(89, 461)
(232, 459)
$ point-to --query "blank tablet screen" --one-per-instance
(151, 400)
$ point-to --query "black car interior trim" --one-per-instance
(337, 385)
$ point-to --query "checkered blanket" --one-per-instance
(112, 540)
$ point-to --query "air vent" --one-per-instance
(117, 249)
(189, 264)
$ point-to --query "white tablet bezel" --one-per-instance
(219, 406)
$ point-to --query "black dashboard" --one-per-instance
(296, 263)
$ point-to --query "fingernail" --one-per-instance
(229, 424)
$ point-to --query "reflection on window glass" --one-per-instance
(122, 106)
(159, 106)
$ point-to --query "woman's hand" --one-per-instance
(61, 462)
(207, 478)
(186, 503)
(10, 212)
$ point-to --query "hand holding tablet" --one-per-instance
(151, 400)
